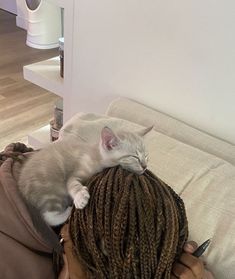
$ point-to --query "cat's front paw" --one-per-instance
(81, 198)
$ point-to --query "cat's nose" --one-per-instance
(144, 166)
(142, 171)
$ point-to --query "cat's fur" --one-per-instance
(53, 177)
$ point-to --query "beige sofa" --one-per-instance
(198, 166)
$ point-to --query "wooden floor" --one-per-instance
(24, 106)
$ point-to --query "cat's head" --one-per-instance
(124, 148)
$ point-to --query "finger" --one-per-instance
(181, 271)
(193, 263)
(190, 246)
(64, 274)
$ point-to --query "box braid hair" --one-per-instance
(133, 226)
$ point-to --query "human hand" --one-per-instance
(72, 268)
(64, 274)
(190, 267)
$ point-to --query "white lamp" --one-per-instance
(44, 24)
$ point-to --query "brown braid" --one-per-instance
(14, 151)
(133, 226)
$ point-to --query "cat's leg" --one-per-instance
(55, 218)
(78, 192)
(55, 208)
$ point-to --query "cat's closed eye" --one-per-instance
(136, 157)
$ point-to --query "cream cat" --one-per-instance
(53, 177)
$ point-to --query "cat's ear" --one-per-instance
(145, 131)
(108, 139)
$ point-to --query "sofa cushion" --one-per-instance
(130, 110)
(207, 186)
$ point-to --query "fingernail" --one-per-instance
(189, 247)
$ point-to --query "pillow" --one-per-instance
(87, 126)
(140, 114)
(205, 182)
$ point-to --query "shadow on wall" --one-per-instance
(8, 5)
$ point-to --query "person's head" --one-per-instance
(133, 226)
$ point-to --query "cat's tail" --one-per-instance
(55, 218)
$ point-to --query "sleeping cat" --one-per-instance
(55, 174)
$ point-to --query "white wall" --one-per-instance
(8, 5)
(17, 7)
(22, 14)
(175, 56)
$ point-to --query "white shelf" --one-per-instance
(40, 137)
(46, 74)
